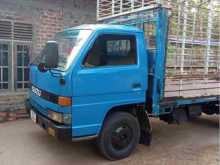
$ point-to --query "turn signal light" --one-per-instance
(64, 101)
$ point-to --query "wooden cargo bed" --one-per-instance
(191, 88)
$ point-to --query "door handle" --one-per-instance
(136, 85)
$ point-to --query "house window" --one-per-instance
(4, 51)
(15, 53)
(22, 69)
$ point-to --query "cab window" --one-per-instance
(112, 50)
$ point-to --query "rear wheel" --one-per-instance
(120, 136)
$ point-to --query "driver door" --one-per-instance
(110, 76)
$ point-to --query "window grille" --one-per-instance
(4, 76)
(22, 66)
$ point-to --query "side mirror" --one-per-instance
(51, 54)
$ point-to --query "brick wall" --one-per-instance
(12, 106)
(47, 18)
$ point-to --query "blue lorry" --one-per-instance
(102, 82)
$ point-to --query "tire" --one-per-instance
(120, 136)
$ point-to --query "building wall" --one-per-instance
(47, 17)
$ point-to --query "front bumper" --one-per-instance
(61, 132)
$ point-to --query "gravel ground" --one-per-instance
(193, 143)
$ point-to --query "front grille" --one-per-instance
(47, 95)
(39, 108)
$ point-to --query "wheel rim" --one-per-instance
(121, 137)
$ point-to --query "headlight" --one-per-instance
(60, 117)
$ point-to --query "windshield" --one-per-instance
(69, 44)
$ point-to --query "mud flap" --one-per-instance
(145, 126)
(179, 116)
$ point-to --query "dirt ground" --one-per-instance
(192, 143)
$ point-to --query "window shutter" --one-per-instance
(23, 31)
(5, 30)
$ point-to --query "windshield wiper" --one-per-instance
(42, 67)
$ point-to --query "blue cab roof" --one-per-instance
(96, 27)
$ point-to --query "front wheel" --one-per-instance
(119, 136)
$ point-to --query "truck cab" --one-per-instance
(91, 82)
